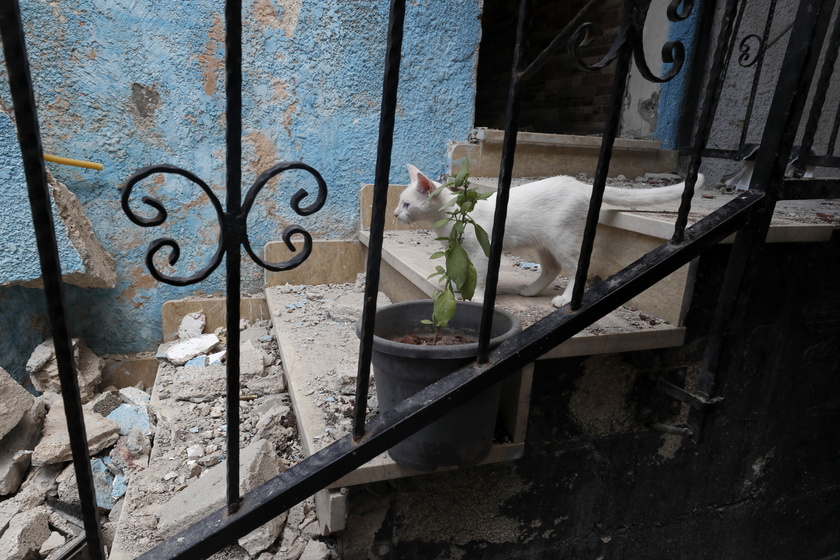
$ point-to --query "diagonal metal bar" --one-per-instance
(331, 463)
(29, 137)
(783, 119)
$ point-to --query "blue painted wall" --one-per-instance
(136, 83)
(672, 93)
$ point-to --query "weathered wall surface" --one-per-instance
(763, 484)
(131, 84)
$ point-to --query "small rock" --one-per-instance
(192, 325)
(103, 483)
(216, 358)
(54, 541)
(195, 451)
(316, 550)
(42, 354)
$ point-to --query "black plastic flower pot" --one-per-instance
(463, 436)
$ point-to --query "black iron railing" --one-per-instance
(748, 215)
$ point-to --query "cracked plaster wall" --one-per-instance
(131, 84)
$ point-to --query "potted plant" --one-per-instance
(408, 353)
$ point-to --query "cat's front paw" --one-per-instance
(560, 301)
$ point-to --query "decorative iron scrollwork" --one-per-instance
(226, 221)
(630, 35)
(749, 57)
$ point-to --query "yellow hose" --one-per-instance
(76, 162)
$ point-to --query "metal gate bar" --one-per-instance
(29, 137)
(331, 463)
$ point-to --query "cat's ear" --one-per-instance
(423, 184)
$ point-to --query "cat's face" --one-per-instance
(414, 205)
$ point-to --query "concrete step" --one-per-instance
(315, 330)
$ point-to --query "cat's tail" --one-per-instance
(643, 198)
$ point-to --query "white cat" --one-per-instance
(547, 217)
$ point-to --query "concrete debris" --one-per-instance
(44, 374)
(53, 542)
(316, 550)
(25, 534)
(132, 417)
(54, 446)
(192, 325)
(14, 402)
(105, 403)
(16, 448)
(251, 359)
(183, 351)
(198, 384)
(134, 396)
(179, 482)
(258, 463)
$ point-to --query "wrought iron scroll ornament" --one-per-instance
(631, 33)
(226, 221)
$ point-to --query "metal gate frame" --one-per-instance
(749, 215)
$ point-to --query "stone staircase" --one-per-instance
(314, 308)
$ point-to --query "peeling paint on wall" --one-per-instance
(137, 83)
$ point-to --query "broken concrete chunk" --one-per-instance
(88, 369)
(27, 531)
(258, 464)
(54, 446)
(316, 550)
(183, 351)
(53, 542)
(103, 483)
(216, 358)
(198, 384)
(42, 354)
(105, 403)
(13, 470)
(251, 359)
(131, 417)
(15, 401)
(131, 451)
(133, 395)
(198, 361)
(263, 537)
(192, 325)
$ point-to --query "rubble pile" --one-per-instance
(157, 455)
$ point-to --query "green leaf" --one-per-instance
(444, 308)
(438, 190)
(451, 202)
(483, 239)
(432, 275)
(457, 264)
(440, 223)
(437, 255)
(485, 196)
(458, 227)
(463, 174)
(440, 269)
(468, 289)
(427, 322)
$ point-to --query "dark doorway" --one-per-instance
(560, 98)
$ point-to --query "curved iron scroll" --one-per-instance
(226, 221)
(630, 34)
